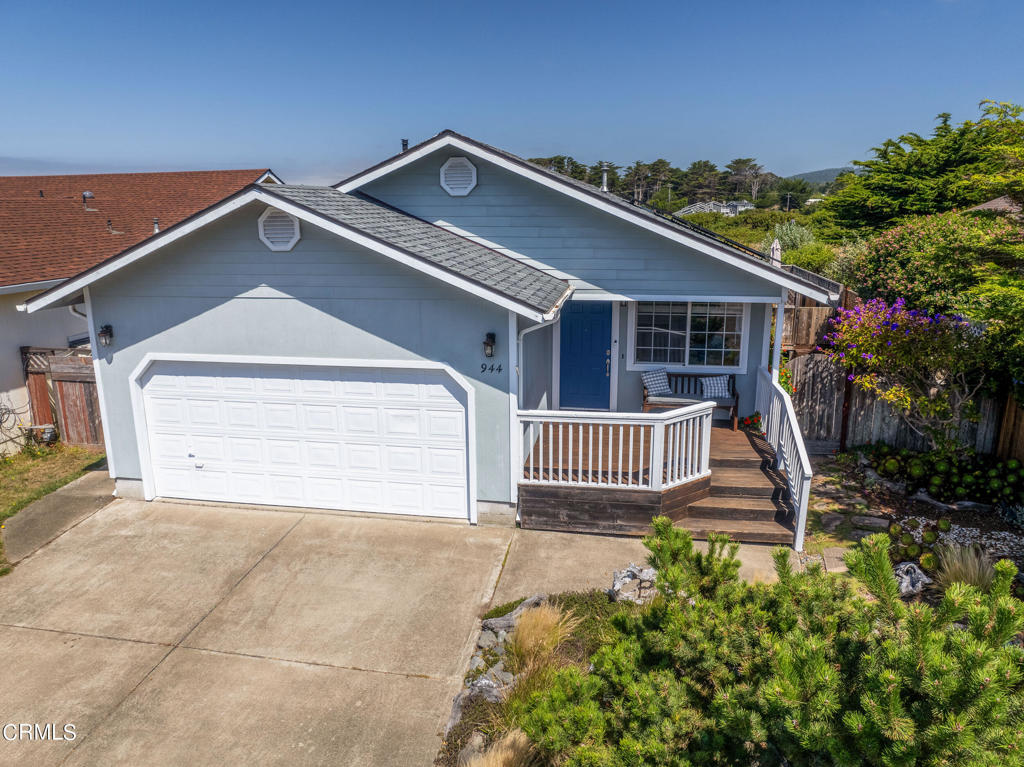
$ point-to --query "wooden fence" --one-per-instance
(806, 321)
(834, 414)
(1011, 435)
(62, 392)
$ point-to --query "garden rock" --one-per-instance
(508, 622)
(486, 688)
(831, 520)
(858, 535)
(869, 522)
(923, 497)
(473, 748)
(634, 584)
(984, 508)
(476, 662)
(911, 578)
(486, 639)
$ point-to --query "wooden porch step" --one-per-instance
(751, 461)
(733, 508)
(746, 481)
(747, 531)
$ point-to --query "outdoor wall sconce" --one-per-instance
(105, 335)
(489, 340)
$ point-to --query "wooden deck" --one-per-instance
(743, 497)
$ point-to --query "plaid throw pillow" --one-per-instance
(715, 387)
(656, 382)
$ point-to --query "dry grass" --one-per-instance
(538, 633)
(512, 750)
(28, 476)
(964, 564)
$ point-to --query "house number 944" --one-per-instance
(492, 368)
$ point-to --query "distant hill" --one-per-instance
(823, 176)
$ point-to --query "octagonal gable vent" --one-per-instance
(278, 230)
(458, 176)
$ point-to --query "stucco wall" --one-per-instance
(535, 367)
(221, 291)
(50, 327)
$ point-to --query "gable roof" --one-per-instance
(1002, 204)
(47, 233)
(434, 244)
(684, 233)
(421, 245)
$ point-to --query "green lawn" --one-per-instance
(29, 475)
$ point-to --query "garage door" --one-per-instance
(364, 439)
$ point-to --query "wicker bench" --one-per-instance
(686, 387)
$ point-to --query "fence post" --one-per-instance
(657, 454)
(705, 450)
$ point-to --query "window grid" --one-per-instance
(689, 334)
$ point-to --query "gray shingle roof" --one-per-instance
(431, 243)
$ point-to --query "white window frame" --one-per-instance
(273, 246)
(632, 364)
(458, 192)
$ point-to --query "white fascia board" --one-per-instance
(229, 206)
(269, 176)
(764, 272)
(25, 287)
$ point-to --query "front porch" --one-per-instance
(596, 478)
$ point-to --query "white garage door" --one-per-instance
(364, 439)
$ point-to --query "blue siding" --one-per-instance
(563, 236)
(221, 291)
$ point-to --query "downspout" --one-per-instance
(77, 313)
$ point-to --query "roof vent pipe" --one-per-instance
(604, 176)
(86, 196)
(405, 145)
(156, 225)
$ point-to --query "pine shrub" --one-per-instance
(806, 671)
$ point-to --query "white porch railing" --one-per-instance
(641, 451)
(783, 433)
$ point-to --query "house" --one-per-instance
(453, 332)
(1004, 204)
(53, 227)
(731, 208)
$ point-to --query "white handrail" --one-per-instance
(782, 431)
(646, 451)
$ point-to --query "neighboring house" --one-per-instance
(712, 206)
(447, 333)
(52, 227)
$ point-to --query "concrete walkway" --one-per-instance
(43, 520)
(172, 633)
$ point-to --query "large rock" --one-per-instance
(474, 747)
(878, 524)
(486, 639)
(507, 622)
(831, 520)
(633, 584)
(911, 578)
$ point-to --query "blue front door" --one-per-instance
(585, 348)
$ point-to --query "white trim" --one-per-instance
(603, 296)
(139, 409)
(514, 442)
(24, 287)
(766, 340)
(100, 395)
(556, 364)
(765, 271)
(633, 365)
(458, 192)
(269, 177)
(780, 329)
(228, 206)
(296, 236)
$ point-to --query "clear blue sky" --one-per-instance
(319, 89)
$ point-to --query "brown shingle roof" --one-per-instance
(53, 236)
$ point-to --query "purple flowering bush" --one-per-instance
(928, 367)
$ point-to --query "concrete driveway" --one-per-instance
(172, 634)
